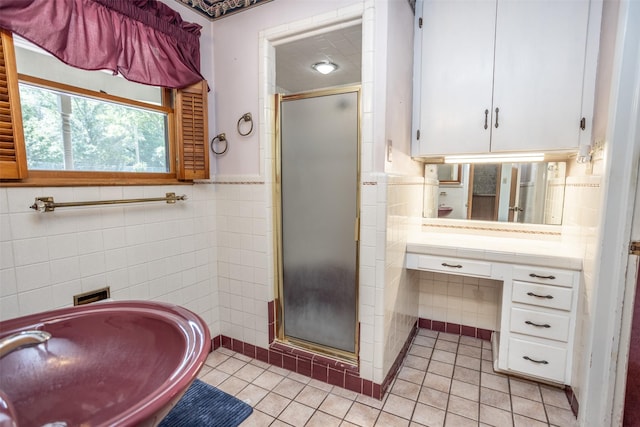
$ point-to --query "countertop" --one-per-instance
(544, 253)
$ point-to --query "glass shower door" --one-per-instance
(319, 138)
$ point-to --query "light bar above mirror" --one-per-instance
(496, 158)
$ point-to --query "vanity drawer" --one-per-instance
(540, 360)
(539, 324)
(454, 265)
(542, 295)
(543, 275)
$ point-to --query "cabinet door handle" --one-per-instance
(542, 362)
(486, 119)
(531, 294)
(444, 264)
(542, 277)
(546, 325)
(497, 111)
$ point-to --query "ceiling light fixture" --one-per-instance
(496, 158)
(324, 67)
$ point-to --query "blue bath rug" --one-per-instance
(205, 406)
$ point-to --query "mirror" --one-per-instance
(531, 193)
(449, 174)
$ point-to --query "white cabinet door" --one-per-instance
(456, 75)
(538, 78)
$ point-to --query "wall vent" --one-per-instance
(91, 296)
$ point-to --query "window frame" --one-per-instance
(165, 108)
(170, 106)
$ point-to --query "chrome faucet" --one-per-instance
(22, 339)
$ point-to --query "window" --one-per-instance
(60, 124)
(64, 131)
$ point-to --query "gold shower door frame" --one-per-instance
(278, 232)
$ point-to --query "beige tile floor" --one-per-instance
(445, 380)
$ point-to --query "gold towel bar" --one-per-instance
(46, 204)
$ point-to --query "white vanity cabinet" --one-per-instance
(535, 336)
(500, 76)
(538, 323)
(451, 265)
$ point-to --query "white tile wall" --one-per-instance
(468, 301)
(396, 310)
(245, 261)
(581, 219)
(370, 197)
(151, 251)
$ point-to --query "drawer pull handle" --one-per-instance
(444, 264)
(531, 294)
(542, 362)
(545, 325)
(542, 277)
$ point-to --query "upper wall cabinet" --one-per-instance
(499, 76)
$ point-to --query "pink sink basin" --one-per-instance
(113, 363)
(444, 211)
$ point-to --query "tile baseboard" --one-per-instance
(319, 367)
(311, 365)
(573, 400)
(454, 328)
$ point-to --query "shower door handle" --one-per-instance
(356, 234)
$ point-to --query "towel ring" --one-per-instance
(247, 118)
(221, 138)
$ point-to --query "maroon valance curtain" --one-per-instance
(143, 40)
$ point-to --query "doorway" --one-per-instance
(316, 200)
(509, 192)
(632, 394)
(484, 192)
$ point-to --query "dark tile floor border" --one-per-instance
(454, 328)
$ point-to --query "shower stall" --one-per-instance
(317, 210)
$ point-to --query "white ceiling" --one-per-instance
(294, 59)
